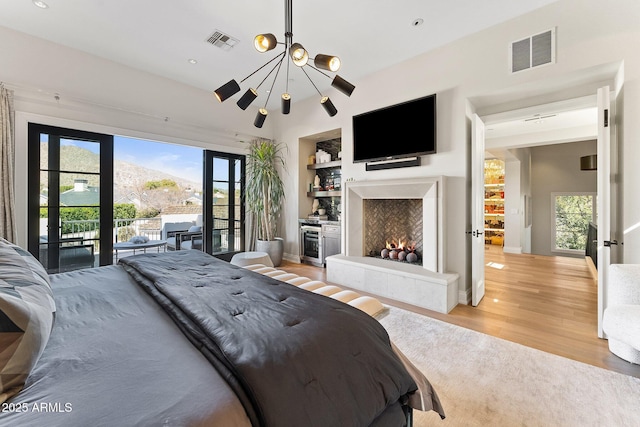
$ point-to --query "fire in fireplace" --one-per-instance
(400, 250)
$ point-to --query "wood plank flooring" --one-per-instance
(548, 303)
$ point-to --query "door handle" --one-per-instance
(608, 243)
(475, 233)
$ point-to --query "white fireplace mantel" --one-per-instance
(426, 286)
(429, 189)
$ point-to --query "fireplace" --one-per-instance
(411, 209)
(420, 197)
(393, 229)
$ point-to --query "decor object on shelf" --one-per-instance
(265, 195)
(295, 53)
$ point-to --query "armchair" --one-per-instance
(189, 239)
(621, 321)
(169, 231)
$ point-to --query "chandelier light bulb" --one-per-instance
(260, 118)
(327, 62)
(226, 90)
(328, 106)
(286, 103)
(299, 55)
(249, 96)
(264, 42)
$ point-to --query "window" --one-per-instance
(88, 191)
(571, 215)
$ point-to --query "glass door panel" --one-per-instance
(224, 183)
(65, 201)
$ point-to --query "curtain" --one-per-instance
(7, 159)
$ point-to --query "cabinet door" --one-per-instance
(331, 246)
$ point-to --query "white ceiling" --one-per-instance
(161, 36)
(544, 122)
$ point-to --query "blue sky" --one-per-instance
(177, 160)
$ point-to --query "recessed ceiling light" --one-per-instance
(417, 22)
(40, 4)
(192, 61)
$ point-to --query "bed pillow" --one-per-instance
(27, 311)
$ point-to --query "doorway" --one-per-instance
(607, 153)
(70, 198)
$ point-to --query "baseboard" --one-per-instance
(291, 257)
(464, 297)
(592, 269)
(512, 249)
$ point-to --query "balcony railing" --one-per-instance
(125, 228)
(79, 244)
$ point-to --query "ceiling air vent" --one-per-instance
(534, 51)
(222, 40)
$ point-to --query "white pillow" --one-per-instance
(138, 239)
(27, 313)
(195, 229)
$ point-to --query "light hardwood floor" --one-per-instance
(548, 303)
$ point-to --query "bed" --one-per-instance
(184, 339)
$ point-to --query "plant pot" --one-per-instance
(275, 249)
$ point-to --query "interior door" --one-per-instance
(477, 207)
(606, 236)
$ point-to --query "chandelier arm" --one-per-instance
(320, 71)
(267, 63)
(269, 73)
(314, 85)
(273, 83)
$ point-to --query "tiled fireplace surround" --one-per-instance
(425, 286)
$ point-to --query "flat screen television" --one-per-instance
(398, 131)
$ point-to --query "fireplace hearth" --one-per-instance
(424, 284)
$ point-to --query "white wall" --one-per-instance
(592, 42)
(513, 209)
(556, 169)
(468, 75)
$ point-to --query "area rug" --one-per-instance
(486, 381)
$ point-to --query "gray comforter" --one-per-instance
(293, 357)
(116, 359)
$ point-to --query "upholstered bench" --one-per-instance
(368, 304)
(243, 259)
(621, 320)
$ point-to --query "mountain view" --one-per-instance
(127, 176)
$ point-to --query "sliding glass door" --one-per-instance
(71, 223)
(70, 210)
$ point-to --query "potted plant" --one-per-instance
(265, 195)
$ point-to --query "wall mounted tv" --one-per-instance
(398, 131)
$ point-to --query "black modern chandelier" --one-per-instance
(293, 52)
